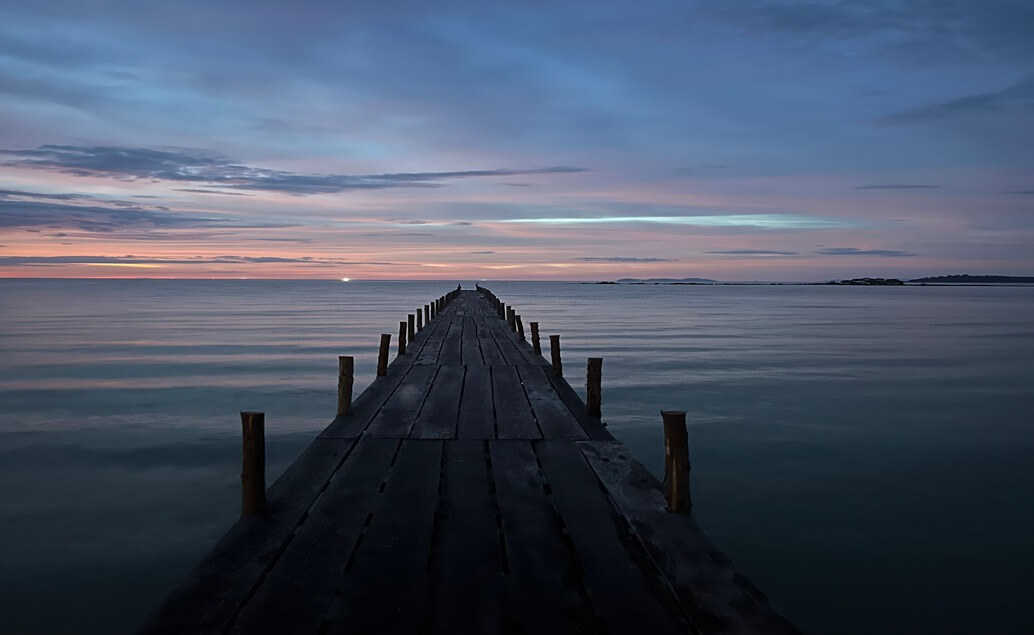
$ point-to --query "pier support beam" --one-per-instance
(554, 351)
(253, 464)
(535, 338)
(382, 354)
(593, 386)
(676, 462)
(345, 379)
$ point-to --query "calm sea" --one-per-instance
(865, 455)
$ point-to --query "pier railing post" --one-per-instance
(411, 319)
(593, 386)
(676, 462)
(253, 463)
(520, 326)
(402, 338)
(419, 319)
(382, 354)
(345, 379)
(554, 351)
(535, 338)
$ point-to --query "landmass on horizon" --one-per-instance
(954, 279)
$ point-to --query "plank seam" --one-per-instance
(285, 543)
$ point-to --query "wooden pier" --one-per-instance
(466, 490)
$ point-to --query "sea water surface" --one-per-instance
(865, 455)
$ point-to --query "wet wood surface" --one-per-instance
(467, 492)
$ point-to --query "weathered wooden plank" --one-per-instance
(509, 351)
(451, 347)
(385, 587)
(396, 416)
(476, 419)
(367, 405)
(593, 427)
(432, 346)
(210, 596)
(554, 419)
(544, 590)
(440, 411)
(623, 596)
(470, 346)
(483, 330)
(729, 603)
(491, 353)
(513, 415)
(299, 589)
(467, 561)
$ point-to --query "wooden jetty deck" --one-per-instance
(467, 492)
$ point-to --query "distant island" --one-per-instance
(666, 281)
(968, 279)
(868, 281)
(960, 279)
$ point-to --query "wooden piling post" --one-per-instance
(554, 351)
(593, 386)
(676, 462)
(345, 379)
(510, 318)
(429, 311)
(520, 326)
(402, 338)
(419, 320)
(535, 338)
(253, 463)
(382, 354)
(412, 327)
(502, 310)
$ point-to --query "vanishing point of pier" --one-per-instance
(468, 489)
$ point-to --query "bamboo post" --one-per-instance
(554, 351)
(345, 379)
(382, 355)
(520, 326)
(593, 386)
(253, 463)
(412, 327)
(676, 462)
(402, 338)
(419, 320)
(535, 338)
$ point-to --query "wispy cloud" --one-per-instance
(28, 261)
(1021, 192)
(621, 259)
(86, 213)
(1019, 97)
(752, 252)
(215, 170)
(897, 186)
(761, 221)
(854, 251)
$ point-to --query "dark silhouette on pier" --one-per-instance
(467, 490)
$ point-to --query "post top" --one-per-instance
(670, 413)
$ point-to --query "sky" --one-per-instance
(733, 140)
